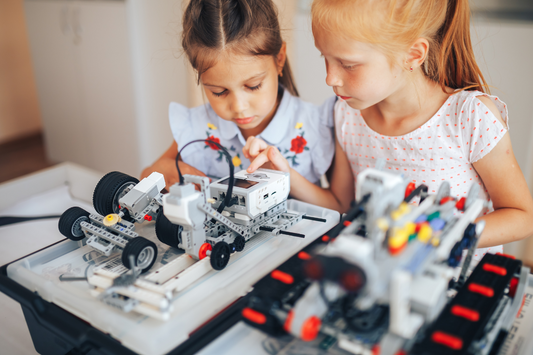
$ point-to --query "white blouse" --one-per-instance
(463, 131)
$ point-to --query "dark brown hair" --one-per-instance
(248, 27)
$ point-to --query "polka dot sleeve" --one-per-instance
(481, 130)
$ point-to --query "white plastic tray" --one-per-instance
(192, 307)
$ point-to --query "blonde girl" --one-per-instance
(410, 92)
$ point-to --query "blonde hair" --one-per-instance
(394, 25)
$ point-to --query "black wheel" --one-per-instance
(109, 190)
(69, 223)
(166, 231)
(144, 253)
(220, 255)
(239, 243)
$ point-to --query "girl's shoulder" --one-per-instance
(299, 111)
(181, 113)
(476, 103)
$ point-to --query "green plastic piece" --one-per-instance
(433, 215)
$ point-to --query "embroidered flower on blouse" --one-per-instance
(298, 144)
(211, 126)
(299, 125)
(237, 161)
(209, 142)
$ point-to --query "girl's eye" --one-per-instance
(348, 67)
(253, 88)
(218, 94)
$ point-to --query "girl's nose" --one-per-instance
(239, 103)
(332, 77)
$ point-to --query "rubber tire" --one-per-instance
(220, 255)
(239, 243)
(166, 231)
(70, 220)
(107, 191)
(134, 247)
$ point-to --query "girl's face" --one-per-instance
(358, 72)
(243, 89)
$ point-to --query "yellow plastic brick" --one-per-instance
(424, 234)
(382, 224)
(399, 237)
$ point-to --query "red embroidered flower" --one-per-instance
(213, 139)
(298, 144)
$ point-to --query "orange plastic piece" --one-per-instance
(304, 256)
(448, 340)
(410, 188)
(288, 322)
(498, 270)
(346, 223)
(254, 316)
(506, 255)
(376, 349)
(460, 205)
(282, 276)
(446, 199)
(310, 328)
(202, 253)
(466, 313)
(482, 290)
(325, 238)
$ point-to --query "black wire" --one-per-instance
(7, 220)
(229, 192)
(421, 190)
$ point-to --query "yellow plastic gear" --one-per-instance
(111, 219)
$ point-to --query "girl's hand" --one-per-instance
(263, 155)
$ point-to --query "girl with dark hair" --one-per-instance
(412, 94)
(236, 50)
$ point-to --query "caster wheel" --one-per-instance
(239, 243)
(109, 190)
(220, 255)
(166, 231)
(69, 223)
(144, 253)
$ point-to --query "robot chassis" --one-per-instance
(190, 222)
(385, 283)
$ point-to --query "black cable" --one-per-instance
(229, 192)
(7, 220)
(421, 190)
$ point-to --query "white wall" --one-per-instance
(159, 71)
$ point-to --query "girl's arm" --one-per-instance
(166, 165)
(512, 218)
(337, 197)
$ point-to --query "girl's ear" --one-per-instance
(417, 54)
(281, 58)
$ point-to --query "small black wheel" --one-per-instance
(220, 255)
(144, 253)
(239, 243)
(109, 190)
(69, 223)
(166, 231)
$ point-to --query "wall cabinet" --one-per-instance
(94, 66)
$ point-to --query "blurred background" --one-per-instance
(90, 81)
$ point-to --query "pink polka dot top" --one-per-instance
(463, 131)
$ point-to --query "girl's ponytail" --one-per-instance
(453, 63)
